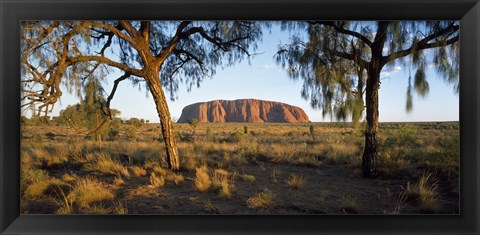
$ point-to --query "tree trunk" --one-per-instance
(369, 158)
(98, 136)
(165, 120)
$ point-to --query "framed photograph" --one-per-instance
(239, 117)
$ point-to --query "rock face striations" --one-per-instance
(243, 110)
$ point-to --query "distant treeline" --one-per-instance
(59, 121)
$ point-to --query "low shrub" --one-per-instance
(156, 181)
(202, 179)
(261, 200)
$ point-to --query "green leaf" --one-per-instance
(421, 84)
(409, 105)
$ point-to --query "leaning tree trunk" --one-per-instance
(369, 158)
(165, 120)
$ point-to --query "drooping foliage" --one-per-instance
(332, 58)
(90, 116)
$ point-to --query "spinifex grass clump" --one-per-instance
(156, 181)
(36, 183)
(424, 193)
(221, 182)
(295, 181)
(202, 179)
(138, 171)
(261, 200)
(86, 191)
(104, 163)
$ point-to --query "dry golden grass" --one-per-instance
(38, 188)
(118, 182)
(310, 161)
(282, 153)
(189, 164)
(178, 179)
(104, 163)
(50, 156)
(202, 179)
(138, 171)
(120, 207)
(187, 159)
(65, 205)
(69, 178)
(150, 164)
(267, 153)
(400, 204)
(40, 153)
(219, 175)
(427, 192)
(411, 193)
(338, 153)
(87, 191)
(261, 200)
(225, 190)
(26, 161)
(37, 183)
(220, 181)
(156, 181)
(295, 181)
(160, 171)
(247, 178)
(424, 193)
(393, 167)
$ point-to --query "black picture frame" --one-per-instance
(467, 11)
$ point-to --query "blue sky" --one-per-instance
(263, 79)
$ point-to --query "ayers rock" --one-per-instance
(243, 110)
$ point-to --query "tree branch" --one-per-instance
(130, 29)
(112, 93)
(44, 33)
(342, 30)
(418, 47)
(349, 56)
(101, 59)
(189, 54)
(145, 30)
(215, 40)
(173, 43)
(116, 30)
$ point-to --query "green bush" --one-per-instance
(209, 131)
(134, 122)
(113, 133)
(193, 123)
(38, 139)
(131, 134)
(235, 137)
